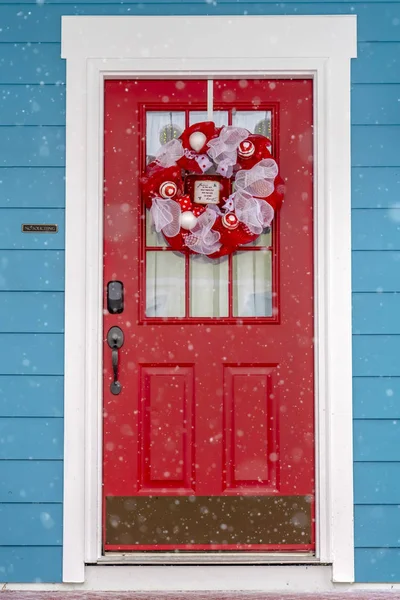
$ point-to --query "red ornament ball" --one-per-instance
(230, 221)
(168, 189)
(246, 149)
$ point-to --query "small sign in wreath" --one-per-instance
(213, 189)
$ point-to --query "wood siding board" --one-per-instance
(31, 312)
(377, 187)
(375, 229)
(375, 313)
(377, 526)
(25, 481)
(376, 63)
(377, 441)
(32, 104)
(30, 524)
(33, 270)
(31, 354)
(31, 396)
(26, 564)
(26, 64)
(376, 146)
(376, 355)
(379, 565)
(373, 104)
(376, 397)
(34, 187)
(32, 146)
(377, 483)
(13, 238)
(31, 438)
(376, 271)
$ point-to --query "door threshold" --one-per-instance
(213, 558)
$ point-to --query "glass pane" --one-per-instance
(153, 239)
(208, 287)
(265, 239)
(252, 284)
(161, 127)
(165, 284)
(220, 117)
(256, 121)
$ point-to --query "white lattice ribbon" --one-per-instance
(169, 154)
(202, 239)
(223, 149)
(165, 214)
(254, 212)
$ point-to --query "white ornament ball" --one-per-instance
(197, 141)
(187, 220)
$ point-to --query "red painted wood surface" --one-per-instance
(210, 406)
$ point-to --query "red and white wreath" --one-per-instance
(213, 189)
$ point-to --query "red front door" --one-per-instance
(210, 443)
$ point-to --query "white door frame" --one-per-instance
(98, 48)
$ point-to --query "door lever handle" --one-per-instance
(115, 339)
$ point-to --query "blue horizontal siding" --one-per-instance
(375, 187)
(377, 440)
(31, 312)
(31, 481)
(31, 438)
(376, 397)
(377, 483)
(376, 271)
(12, 237)
(30, 564)
(32, 146)
(36, 270)
(376, 146)
(376, 63)
(31, 354)
(32, 105)
(375, 104)
(31, 396)
(22, 23)
(31, 63)
(375, 229)
(32, 187)
(379, 565)
(376, 355)
(30, 524)
(373, 313)
(377, 526)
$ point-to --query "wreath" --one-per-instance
(213, 189)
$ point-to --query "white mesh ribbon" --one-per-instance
(255, 213)
(202, 159)
(258, 181)
(223, 149)
(165, 214)
(202, 239)
(169, 153)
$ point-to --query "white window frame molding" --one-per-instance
(98, 48)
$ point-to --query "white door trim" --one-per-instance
(97, 48)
